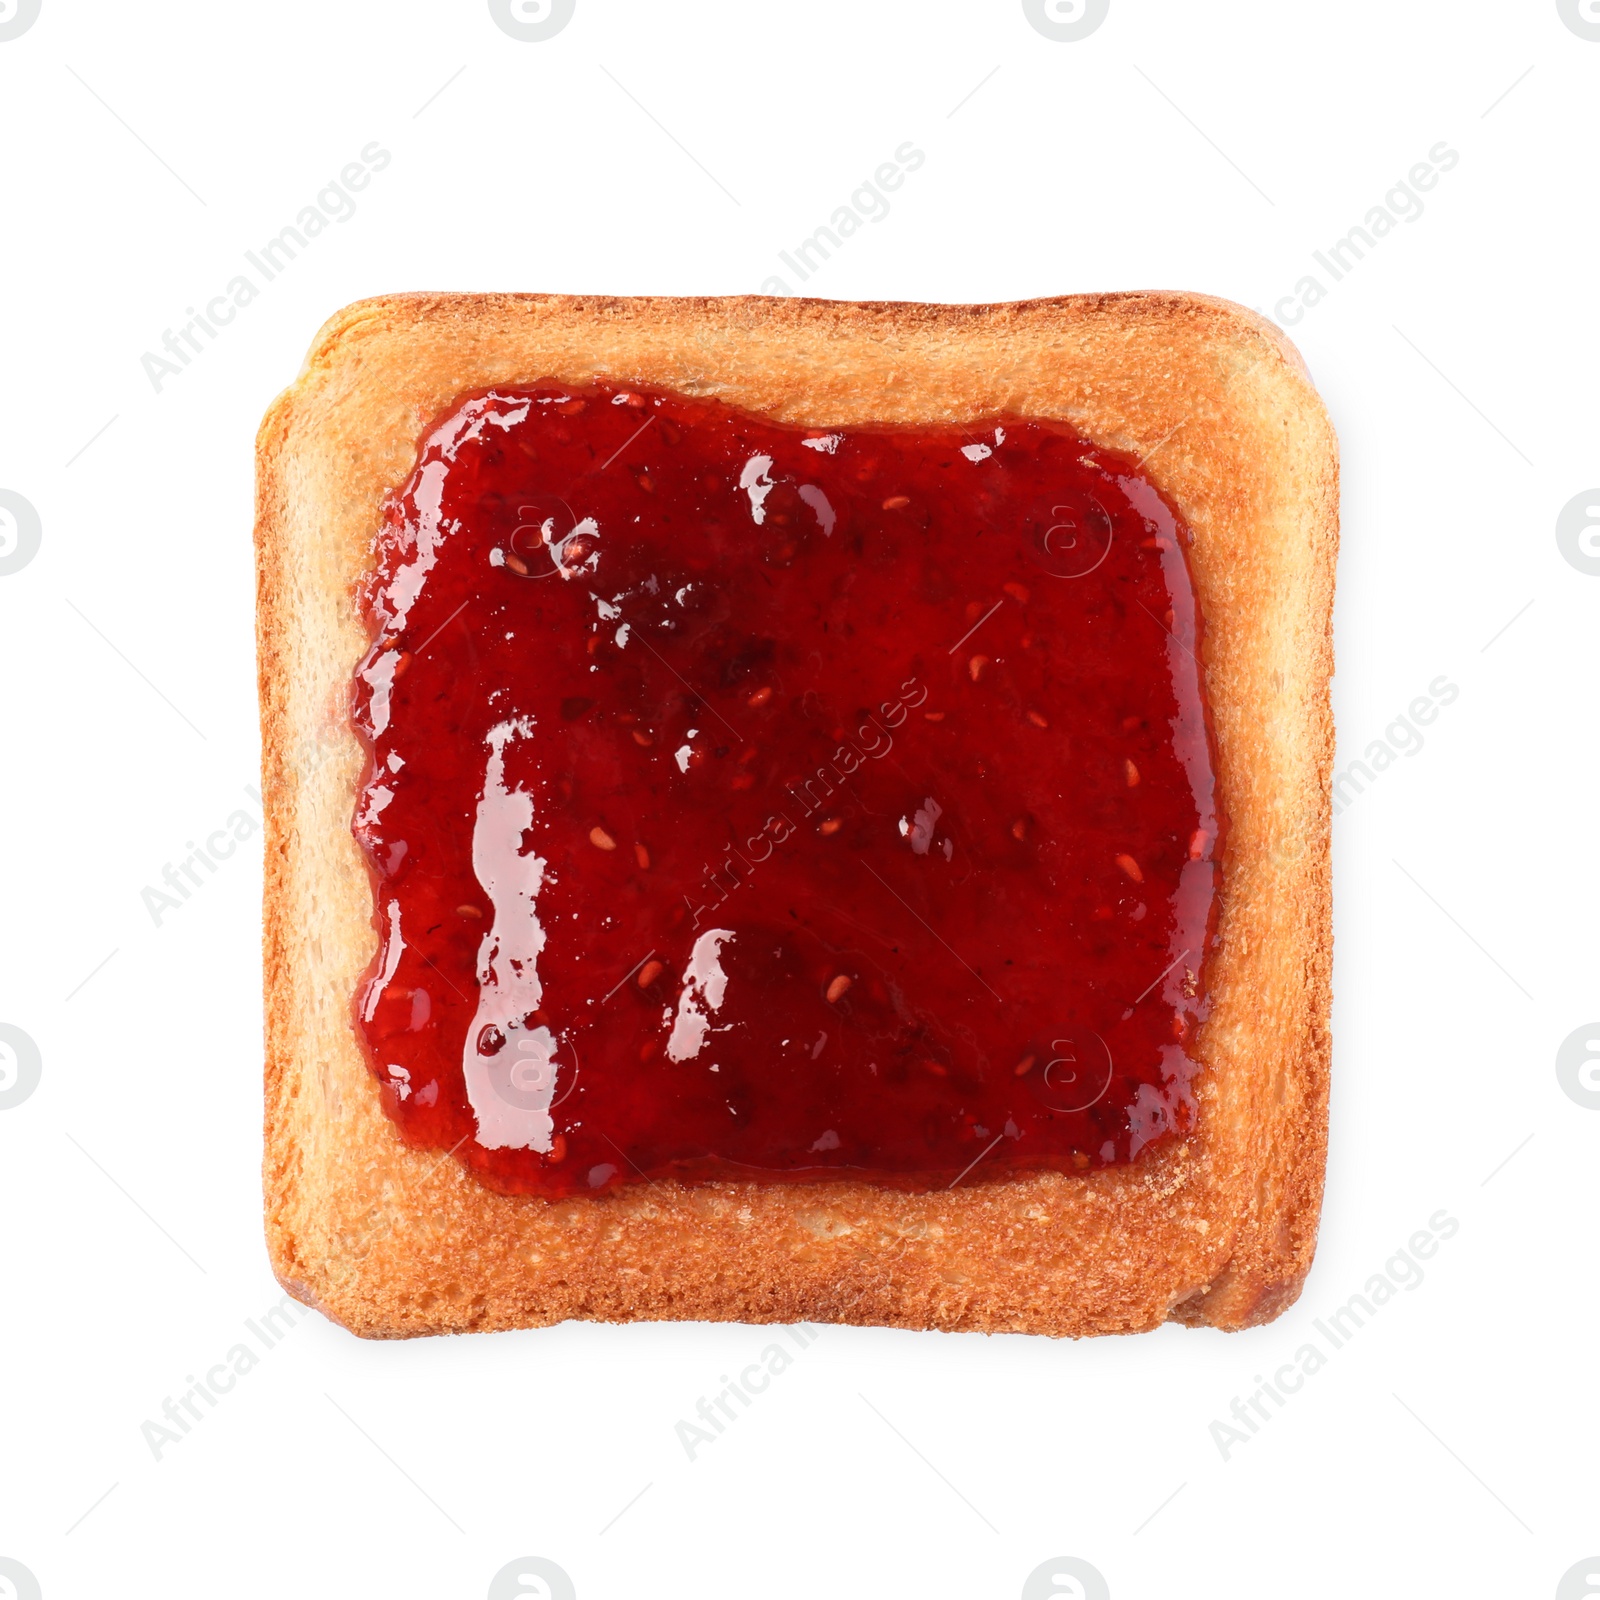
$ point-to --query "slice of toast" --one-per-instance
(1216, 1228)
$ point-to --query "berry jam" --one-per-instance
(752, 802)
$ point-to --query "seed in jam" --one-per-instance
(750, 802)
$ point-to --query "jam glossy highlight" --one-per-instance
(755, 802)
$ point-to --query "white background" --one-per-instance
(1448, 1447)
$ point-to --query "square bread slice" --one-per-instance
(1217, 1228)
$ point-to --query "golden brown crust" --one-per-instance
(1217, 1229)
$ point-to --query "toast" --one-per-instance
(1213, 1228)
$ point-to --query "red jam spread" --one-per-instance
(748, 801)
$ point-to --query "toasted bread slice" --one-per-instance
(1216, 1228)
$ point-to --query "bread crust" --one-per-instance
(1215, 1229)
